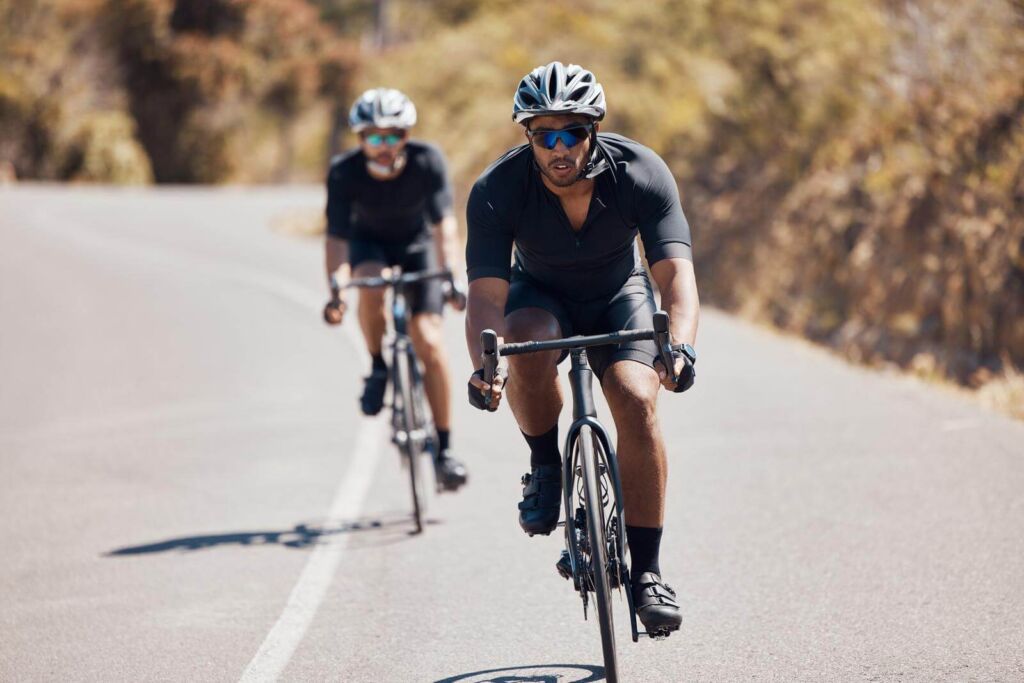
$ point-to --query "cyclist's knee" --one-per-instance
(368, 269)
(632, 391)
(372, 299)
(533, 367)
(532, 324)
(427, 335)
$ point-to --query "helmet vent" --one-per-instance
(557, 88)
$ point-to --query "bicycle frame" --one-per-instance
(411, 421)
(585, 415)
(401, 345)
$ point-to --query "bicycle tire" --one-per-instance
(423, 428)
(411, 444)
(423, 419)
(589, 460)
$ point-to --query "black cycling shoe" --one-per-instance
(449, 472)
(656, 605)
(375, 384)
(542, 500)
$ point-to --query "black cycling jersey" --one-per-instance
(634, 193)
(394, 211)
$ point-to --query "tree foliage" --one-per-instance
(202, 90)
(854, 170)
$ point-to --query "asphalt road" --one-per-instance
(188, 493)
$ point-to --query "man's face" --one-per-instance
(382, 145)
(562, 163)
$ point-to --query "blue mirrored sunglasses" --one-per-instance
(570, 136)
(377, 139)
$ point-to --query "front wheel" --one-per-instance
(412, 440)
(590, 465)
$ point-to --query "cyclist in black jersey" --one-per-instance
(389, 203)
(565, 208)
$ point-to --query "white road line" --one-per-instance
(306, 596)
(290, 628)
(288, 631)
(304, 601)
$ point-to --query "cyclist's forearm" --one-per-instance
(336, 263)
(485, 309)
(446, 241)
(678, 287)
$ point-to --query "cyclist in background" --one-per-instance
(389, 203)
(569, 204)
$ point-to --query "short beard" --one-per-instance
(559, 182)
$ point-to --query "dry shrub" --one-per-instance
(202, 82)
(209, 81)
(1005, 392)
(104, 149)
(853, 170)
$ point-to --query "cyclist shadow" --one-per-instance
(384, 529)
(533, 673)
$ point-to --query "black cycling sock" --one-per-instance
(644, 548)
(443, 437)
(544, 448)
(378, 361)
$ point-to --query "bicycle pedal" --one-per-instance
(660, 634)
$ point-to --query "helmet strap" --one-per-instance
(595, 161)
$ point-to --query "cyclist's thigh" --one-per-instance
(631, 308)
(366, 258)
(426, 296)
(533, 313)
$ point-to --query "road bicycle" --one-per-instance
(595, 529)
(412, 427)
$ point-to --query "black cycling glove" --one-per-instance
(477, 398)
(688, 374)
(454, 293)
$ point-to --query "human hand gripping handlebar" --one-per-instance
(492, 351)
(663, 339)
(490, 358)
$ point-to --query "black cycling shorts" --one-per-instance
(631, 307)
(423, 297)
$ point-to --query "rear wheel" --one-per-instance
(589, 450)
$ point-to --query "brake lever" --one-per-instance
(489, 359)
(663, 340)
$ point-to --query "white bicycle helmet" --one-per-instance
(382, 108)
(558, 89)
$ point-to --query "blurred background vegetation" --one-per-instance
(853, 169)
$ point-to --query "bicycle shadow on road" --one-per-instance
(533, 673)
(390, 527)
